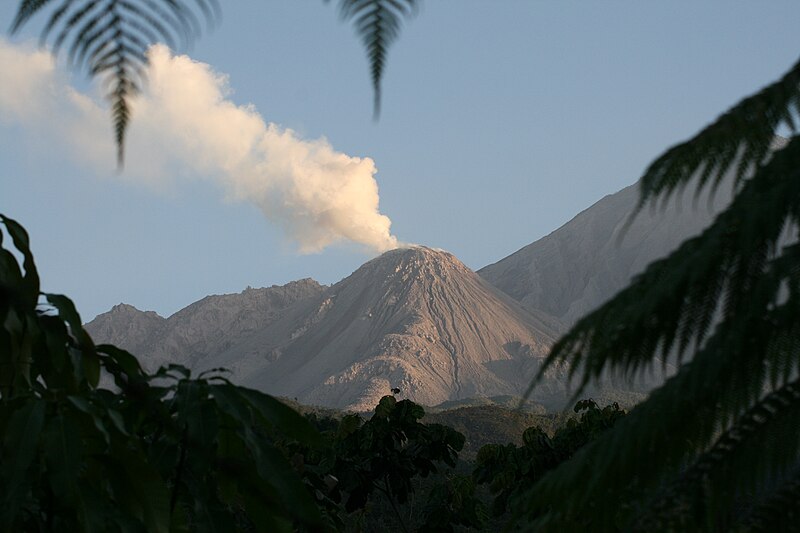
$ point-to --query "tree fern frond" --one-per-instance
(54, 19)
(110, 39)
(120, 111)
(738, 140)
(211, 11)
(180, 22)
(778, 511)
(677, 298)
(27, 9)
(764, 443)
(378, 23)
(677, 422)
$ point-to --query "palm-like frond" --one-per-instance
(679, 421)
(674, 302)
(762, 442)
(378, 23)
(738, 140)
(713, 433)
(779, 511)
(110, 38)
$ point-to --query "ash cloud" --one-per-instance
(186, 127)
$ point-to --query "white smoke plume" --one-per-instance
(185, 124)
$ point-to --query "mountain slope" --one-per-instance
(202, 329)
(127, 327)
(414, 318)
(587, 260)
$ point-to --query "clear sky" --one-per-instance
(501, 121)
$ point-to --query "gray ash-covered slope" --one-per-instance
(413, 318)
(201, 330)
(126, 327)
(589, 259)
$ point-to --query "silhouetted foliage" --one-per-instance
(511, 470)
(110, 38)
(724, 307)
(383, 454)
(378, 23)
(453, 502)
(492, 424)
(90, 442)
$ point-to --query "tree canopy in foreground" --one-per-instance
(715, 448)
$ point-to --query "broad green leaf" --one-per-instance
(63, 454)
(264, 518)
(125, 360)
(99, 510)
(285, 419)
(89, 359)
(273, 468)
(21, 242)
(118, 421)
(138, 488)
(83, 405)
(10, 274)
(20, 445)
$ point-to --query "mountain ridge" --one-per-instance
(181, 336)
(414, 318)
(577, 267)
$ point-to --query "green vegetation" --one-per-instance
(91, 442)
(383, 454)
(724, 307)
(510, 470)
(489, 424)
(160, 452)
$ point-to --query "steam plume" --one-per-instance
(184, 124)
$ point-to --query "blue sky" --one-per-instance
(501, 121)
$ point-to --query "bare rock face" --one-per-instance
(200, 330)
(416, 319)
(581, 265)
(126, 327)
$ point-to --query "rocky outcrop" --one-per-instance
(127, 327)
(203, 329)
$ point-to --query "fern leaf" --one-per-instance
(27, 9)
(738, 140)
(779, 511)
(378, 24)
(674, 302)
(763, 443)
(110, 39)
(677, 423)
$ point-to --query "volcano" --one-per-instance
(416, 319)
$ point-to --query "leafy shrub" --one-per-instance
(91, 442)
(162, 452)
(511, 470)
